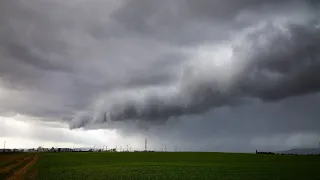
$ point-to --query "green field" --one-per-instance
(167, 166)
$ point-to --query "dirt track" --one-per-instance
(19, 169)
(15, 164)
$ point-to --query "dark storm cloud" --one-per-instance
(147, 62)
(293, 60)
(17, 42)
(225, 9)
(286, 66)
(146, 16)
(24, 55)
(190, 22)
(49, 58)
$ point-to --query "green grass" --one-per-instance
(184, 166)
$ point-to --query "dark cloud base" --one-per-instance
(286, 67)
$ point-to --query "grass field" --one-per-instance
(184, 166)
(175, 165)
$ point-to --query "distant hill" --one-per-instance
(302, 151)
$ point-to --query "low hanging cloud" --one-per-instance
(88, 63)
(270, 62)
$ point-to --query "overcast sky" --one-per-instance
(206, 75)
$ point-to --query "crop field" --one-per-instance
(164, 166)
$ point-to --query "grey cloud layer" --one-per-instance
(270, 66)
(86, 63)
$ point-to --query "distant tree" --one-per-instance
(39, 149)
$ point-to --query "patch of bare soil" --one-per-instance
(22, 172)
(17, 163)
(10, 158)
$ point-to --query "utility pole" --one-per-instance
(145, 144)
(4, 146)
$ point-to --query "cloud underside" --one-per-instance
(102, 62)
